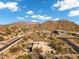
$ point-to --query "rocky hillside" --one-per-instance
(58, 25)
(49, 25)
(24, 23)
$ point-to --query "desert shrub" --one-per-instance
(24, 29)
(77, 57)
(14, 49)
(2, 38)
(60, 46)
(24, 57)
(49, 56)
(68, 57)
(37, 50)
(8, 31)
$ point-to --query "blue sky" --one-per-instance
(38, 10)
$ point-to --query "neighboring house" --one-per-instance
(59, 32)
(77, 33)
(43, 46)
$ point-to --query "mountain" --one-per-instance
(21, 23)
(49, 25)
(16, 25)
(24, 23)
(58, 25)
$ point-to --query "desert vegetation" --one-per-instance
(41, 33)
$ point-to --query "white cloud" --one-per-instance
(56, 19)
(10, 5)
(20, 18)
(30, 12)
(34, 21)
(74, 13)
(44, 17)
(26, 16)
(66, 4)
(2, 5)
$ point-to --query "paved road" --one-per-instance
(13, 42)
(67, 37)
(63, 55)
(73, 44)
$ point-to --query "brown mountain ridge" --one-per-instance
(49, 25)
(58, 25)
